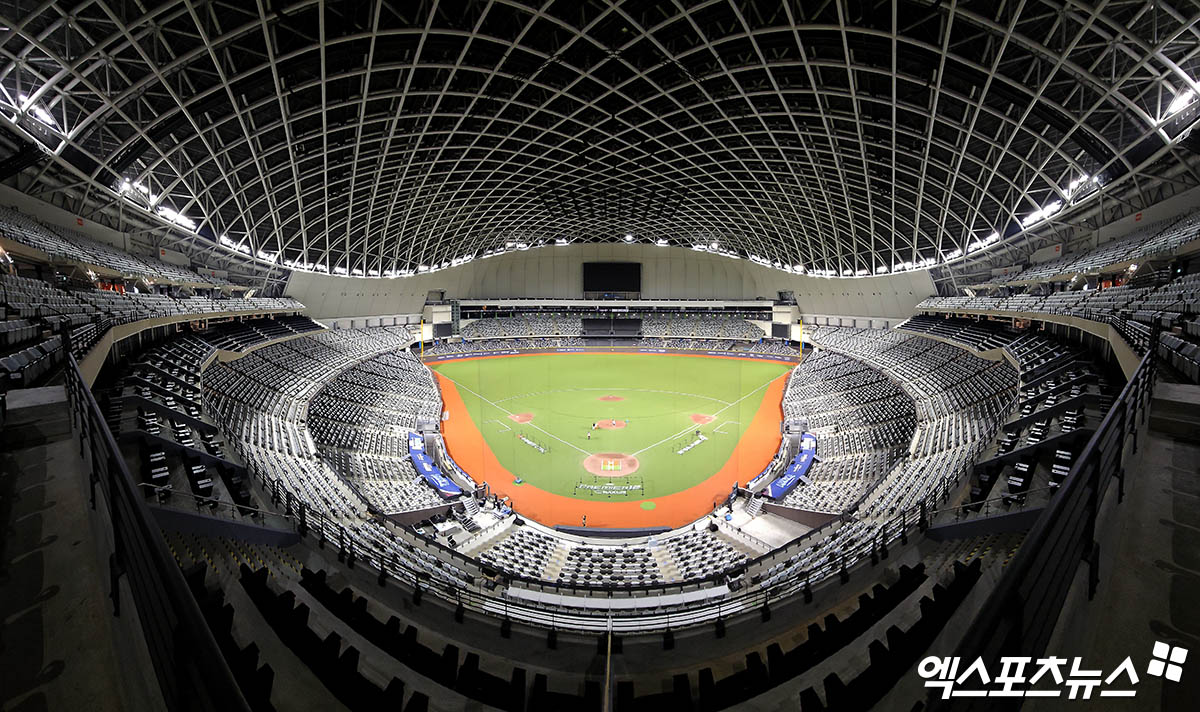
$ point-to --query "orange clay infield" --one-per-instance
(521, 417)
(701, 419)
(750, 456)
(610, 424)
(610, 399)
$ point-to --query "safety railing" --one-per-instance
(834, 568)
(1135, 334)
(824, 557)
(85, 336)
(456, 578)
(170, 498)
(191, 671)
(1018, 617)
(748, 539)
(1004, 504)
(593, 608)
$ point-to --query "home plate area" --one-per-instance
(611, 464)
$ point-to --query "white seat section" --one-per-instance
(72, 245)
(694, 332)
(262, 400)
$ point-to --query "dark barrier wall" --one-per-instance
(191, 671)
(204, 525)
(1021, 612)
(815, 520)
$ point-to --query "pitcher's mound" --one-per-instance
(611, 464)
(610, 424)
(610, 398)
(701, 419)
(520, 417)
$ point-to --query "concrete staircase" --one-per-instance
(666, 564)
(1175, 411)
(554, 564)
(739, 546)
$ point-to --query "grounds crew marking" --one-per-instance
(503, 428)
(720, 431)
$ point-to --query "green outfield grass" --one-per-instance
(564, 394)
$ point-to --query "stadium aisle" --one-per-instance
(1149, 594)
(59, 642)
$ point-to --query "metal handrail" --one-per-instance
(192, 673)
(1019, 615)
(215, 507)
(852, 554)
(310, 519)
(1011, 502)
(1131, 331)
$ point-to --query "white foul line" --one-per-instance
(714, 415)
(485, 400)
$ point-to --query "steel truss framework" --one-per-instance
(379, 137)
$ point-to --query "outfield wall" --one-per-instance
(611, 350)
(555, 272)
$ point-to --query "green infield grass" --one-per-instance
(611, 427)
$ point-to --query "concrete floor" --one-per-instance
(767, 527)
(1149, 581)
(59, 642)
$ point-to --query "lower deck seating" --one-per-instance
(255, 681)
(17, 331)
(442, 669)
(337, 667)
(823, 641)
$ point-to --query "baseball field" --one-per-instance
(627, 440)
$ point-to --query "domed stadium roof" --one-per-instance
(378, 138)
